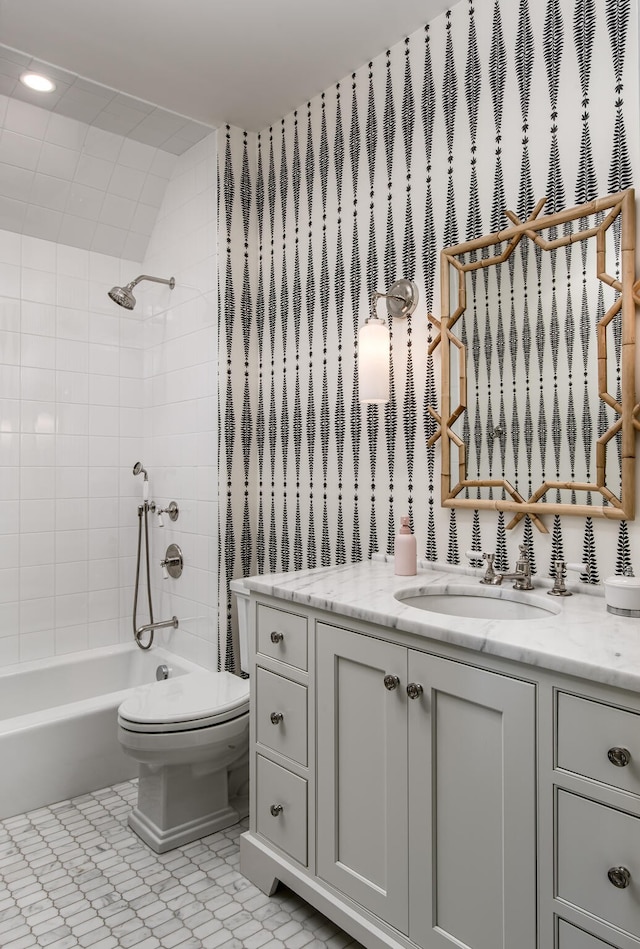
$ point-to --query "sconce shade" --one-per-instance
(373, 361)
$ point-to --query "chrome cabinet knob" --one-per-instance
(620, 757)
(276, 718)
(414, 690)
(620, 877)
(391, 682)
(276, 810)
(276, 637)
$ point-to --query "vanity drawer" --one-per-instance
(588, 731)
(281, 715)
(570, 937)
(282, 636)
(593, 838)
(281, 809)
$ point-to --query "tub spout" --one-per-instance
(149, 627)
(159, 624)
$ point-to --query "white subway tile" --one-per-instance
(38, 285)
(38, 319)
(72, 419)
(72, 355)
(37, 351)
(71, 545)
(73, 292)
(72, 483)
(38, 385)
(71, 514)
(72, 450)
(10, 415)
(37, 515)
(36, 615)
(10, 280)
(34, 449)
(72, 638)
(36, 582)
(40, 645)
(71, 578)
(71, 324)
(10, 382)
(37, 483)
(38, 548)
(72, 386)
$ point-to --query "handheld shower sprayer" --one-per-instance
(123, 296)
(138, 469)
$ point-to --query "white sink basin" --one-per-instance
(469, 602)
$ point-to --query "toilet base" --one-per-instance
(181, 803)
(162, 840)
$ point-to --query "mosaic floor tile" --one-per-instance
(74, 876)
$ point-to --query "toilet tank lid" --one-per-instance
(185, 698)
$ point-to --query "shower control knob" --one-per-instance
(173, 562)
(276, 810)
(276, 637)
(276, 718)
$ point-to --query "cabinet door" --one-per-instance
(472, 808)
(362, 771)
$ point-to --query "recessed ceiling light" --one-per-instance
(38, 82)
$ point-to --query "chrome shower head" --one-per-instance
(123, 295)
(138, 469)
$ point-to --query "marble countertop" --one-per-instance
(579, 638)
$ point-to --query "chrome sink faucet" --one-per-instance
(521, 575)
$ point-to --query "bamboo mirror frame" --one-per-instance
(455, 263)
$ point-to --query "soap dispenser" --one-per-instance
(405, 551)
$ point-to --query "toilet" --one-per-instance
(190, 737)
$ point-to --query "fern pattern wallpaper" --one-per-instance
(492, 106)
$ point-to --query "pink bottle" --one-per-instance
(405, 551)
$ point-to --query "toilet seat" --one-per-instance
(185, 703)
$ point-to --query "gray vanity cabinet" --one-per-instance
(426, 803)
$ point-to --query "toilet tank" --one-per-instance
(241, 591)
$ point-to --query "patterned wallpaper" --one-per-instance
(492, 106)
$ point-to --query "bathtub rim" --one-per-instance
(91, 704)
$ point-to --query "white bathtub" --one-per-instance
(58, 723)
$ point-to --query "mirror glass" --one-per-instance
(538, 411)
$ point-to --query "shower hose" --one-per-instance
(143, 511)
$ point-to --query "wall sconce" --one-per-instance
(373, 341)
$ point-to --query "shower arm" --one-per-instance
(170, 283)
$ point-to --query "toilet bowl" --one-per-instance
(190, 737)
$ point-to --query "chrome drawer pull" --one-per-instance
(276, 637)
(391, 682)
(277, 809)
(620, 877)
(414, 690)
(620, 757)
(276, 718)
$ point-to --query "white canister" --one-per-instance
(622, 595)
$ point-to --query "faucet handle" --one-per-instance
(559, 588)
(479, 555)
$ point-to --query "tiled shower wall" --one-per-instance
(491, 106)
(86, 390)
(181, 403)
(70, 393)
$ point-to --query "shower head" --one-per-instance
(123, 296)
(138, 469)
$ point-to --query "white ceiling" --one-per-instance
(245, 62)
